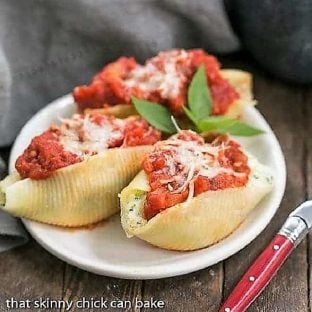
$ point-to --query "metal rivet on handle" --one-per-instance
(276, 247)
(252, 278)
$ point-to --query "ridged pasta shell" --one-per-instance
(77, 195)
(119, 111)
(203, 221)
(242, 82)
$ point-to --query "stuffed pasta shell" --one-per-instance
(164, 79)
(191, 194)
(71, 174)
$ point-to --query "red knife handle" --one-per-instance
(258, 275)
(266, 265)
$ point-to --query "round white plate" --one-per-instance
(105, 249)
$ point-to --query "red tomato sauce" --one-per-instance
(43, 156)
(162, 166)
(111, 86)
(46, 153)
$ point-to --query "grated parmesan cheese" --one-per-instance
(195, 160)
(166, 79)
(83, 137)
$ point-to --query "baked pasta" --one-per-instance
(191, 194)
(164, 79)
(71, 174)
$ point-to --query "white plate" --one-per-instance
(105, 249)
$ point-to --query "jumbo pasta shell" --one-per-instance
(77, 195)
(242, 82)
(203, 221)
(119, 111)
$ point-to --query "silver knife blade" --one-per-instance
(304, 212)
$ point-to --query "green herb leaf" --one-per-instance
(156, 114)
(215, 122)
(227, 125)
(190, 115)
(199, 97)
(242, 129)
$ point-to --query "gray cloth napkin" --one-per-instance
(12, 233)
(48, 47)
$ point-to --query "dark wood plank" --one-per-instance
(308, 126)
(29, 272)
(79, 284)
(199, 291)
(282, 105)
(308, 167)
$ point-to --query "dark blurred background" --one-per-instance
(277, 34)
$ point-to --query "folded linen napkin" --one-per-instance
(48, 47)
(12, 232)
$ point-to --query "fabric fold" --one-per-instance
(12, 231)
(48, 47)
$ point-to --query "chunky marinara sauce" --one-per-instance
(80, 137)
(185, 166)
(163, 79)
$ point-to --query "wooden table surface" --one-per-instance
(30, 272)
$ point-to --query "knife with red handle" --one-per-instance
(270, 260)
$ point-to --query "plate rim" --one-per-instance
(190, 265)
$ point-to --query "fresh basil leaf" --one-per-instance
(190, 115)
(199, 97)
(242, 129)
(227, 125)
(215, 122)
(156, 114)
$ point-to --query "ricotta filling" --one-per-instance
(133, 211)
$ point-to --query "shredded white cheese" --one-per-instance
(166, 79)
(195, 160)
(83, 137)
